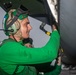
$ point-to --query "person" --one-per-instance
(15, 58)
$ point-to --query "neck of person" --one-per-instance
(15, 38)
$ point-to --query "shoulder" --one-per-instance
(10, 47)
(9, 43)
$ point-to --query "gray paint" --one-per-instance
(2, 35)
(68, 26)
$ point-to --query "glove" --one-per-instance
(28, 40)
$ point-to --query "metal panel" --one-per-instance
(68, 27)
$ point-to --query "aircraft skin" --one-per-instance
(67, 27)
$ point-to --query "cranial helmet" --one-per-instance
(10, 22)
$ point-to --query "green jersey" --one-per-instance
(13, 53)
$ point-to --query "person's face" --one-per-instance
(25, 28)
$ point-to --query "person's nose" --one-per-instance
(30, 27)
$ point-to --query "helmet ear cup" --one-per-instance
(14, 28)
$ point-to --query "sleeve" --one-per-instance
(19, 54)
(56, 71)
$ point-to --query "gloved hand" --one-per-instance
(28, 42)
